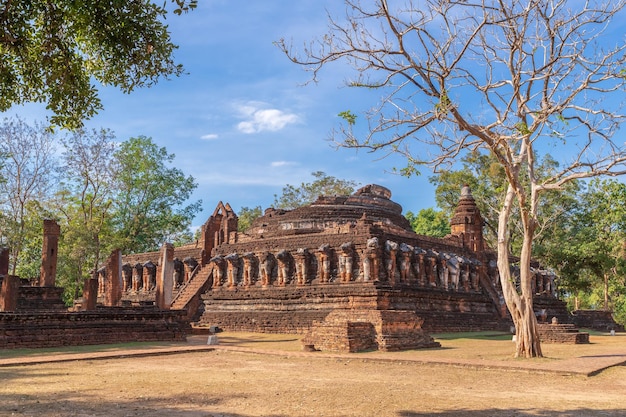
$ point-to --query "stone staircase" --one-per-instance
(188, 297)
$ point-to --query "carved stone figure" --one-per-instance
(127, 277)
(346, 258)
(102, 273)
(323, 263)
(179, 273)
(266, 264)
(454, 270)
(248, 269)
(473, 276)
(371, 260)
(283, 267)
(391, 248)
(431, 267)
(420, 267)
(218, 270)
(406, 259)
(149, 276)
(301, 258)
(465, 277)
(137, 276)
(232, 269)
(190, 265)
(443, 271)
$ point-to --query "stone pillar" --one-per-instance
(90, 293)
(113, 286)
(165, 277)
(51, 232)
(4, 262)
(9, 293)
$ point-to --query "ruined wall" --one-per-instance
(103, 326)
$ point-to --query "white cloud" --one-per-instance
(260, 119)
(276, 164)
(210, 136)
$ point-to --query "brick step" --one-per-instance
(192, 290)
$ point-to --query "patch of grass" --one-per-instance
(14, 353)
(486, 335)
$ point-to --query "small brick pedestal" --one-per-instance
(358, 330)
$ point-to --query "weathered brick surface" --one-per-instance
(292, 309)
(106, 325)
(551, 307)
(358, 330)
(565, 333)
(601, 320)
(40, 299)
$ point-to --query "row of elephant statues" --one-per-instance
(391, 262)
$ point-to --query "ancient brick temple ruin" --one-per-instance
(346, 272)
(349, 272)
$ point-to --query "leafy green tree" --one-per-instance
(506, 78)
(485, 176)
(27, 177)
(589, 251)
(52, 51)
(430, 222)
(293, 197)
(29, 265)
(246, 216)
(149, 205)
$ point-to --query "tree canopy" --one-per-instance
(246, 216)
(107, 195)
(52, 51)
(429, 222)
(149, 196)
(589, 250)
(296, 196)
(503, 78)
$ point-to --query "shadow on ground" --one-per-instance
(205, 405)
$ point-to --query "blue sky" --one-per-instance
(242, 122)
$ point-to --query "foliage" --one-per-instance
(51, 51)
(246, 216)
(84, 206)
(148, 196)
(111, 195)
(501, 78)
(487, 180)
(307, 193)
(29, 262)
(589, 251)
(430, 222)
(27, 176)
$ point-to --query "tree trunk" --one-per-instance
(606, 292)
(527, 343)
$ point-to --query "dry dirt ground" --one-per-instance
(241, 384)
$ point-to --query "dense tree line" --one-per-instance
(105, 194)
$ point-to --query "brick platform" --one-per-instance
(106, 325)
(354, 331)
(562, 333)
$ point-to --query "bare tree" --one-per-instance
(27, 176)
(507, 77)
